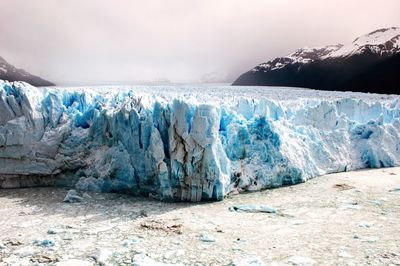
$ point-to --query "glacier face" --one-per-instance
(185, 145)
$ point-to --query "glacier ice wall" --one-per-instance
(183, 149)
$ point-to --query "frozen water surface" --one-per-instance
(190, 143)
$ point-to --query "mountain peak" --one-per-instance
(11, 73)
(2, 60)
(385, 32)
(369, 63)
(382, 41)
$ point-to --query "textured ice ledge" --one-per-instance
(179, 148)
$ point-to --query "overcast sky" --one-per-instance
(103, 41)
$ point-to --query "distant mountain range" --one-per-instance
(371, 63)
(11, 73)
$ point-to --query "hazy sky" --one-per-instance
(97, 41)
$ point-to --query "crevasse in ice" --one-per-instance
(182, 149)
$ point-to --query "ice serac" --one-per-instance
(173, 147)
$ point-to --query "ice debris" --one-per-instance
(101, 256)
(54, 231)
(253, 261)
(142, 259)
(181, 149)
(251, 208)
(25, 252)
(377, 202)
(74, 262)
(364, 224)
(129, 242)
(298, 222)
(44, 243)
(369, 239)
(29, 223)
(86, 196)
(205, 237)
(302, 261)
(350, 206)
(397, 189)
(345, 254)
(72, 196)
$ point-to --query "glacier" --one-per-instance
(188, 144)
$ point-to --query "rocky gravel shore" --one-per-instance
(350, 218)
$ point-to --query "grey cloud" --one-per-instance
(100, 41)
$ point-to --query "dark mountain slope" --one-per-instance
(11, 73)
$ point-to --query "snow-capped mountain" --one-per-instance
(370, 64)
(382, 42)
(11, 73)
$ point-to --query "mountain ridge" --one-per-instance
(11, 73)
(335, 67)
